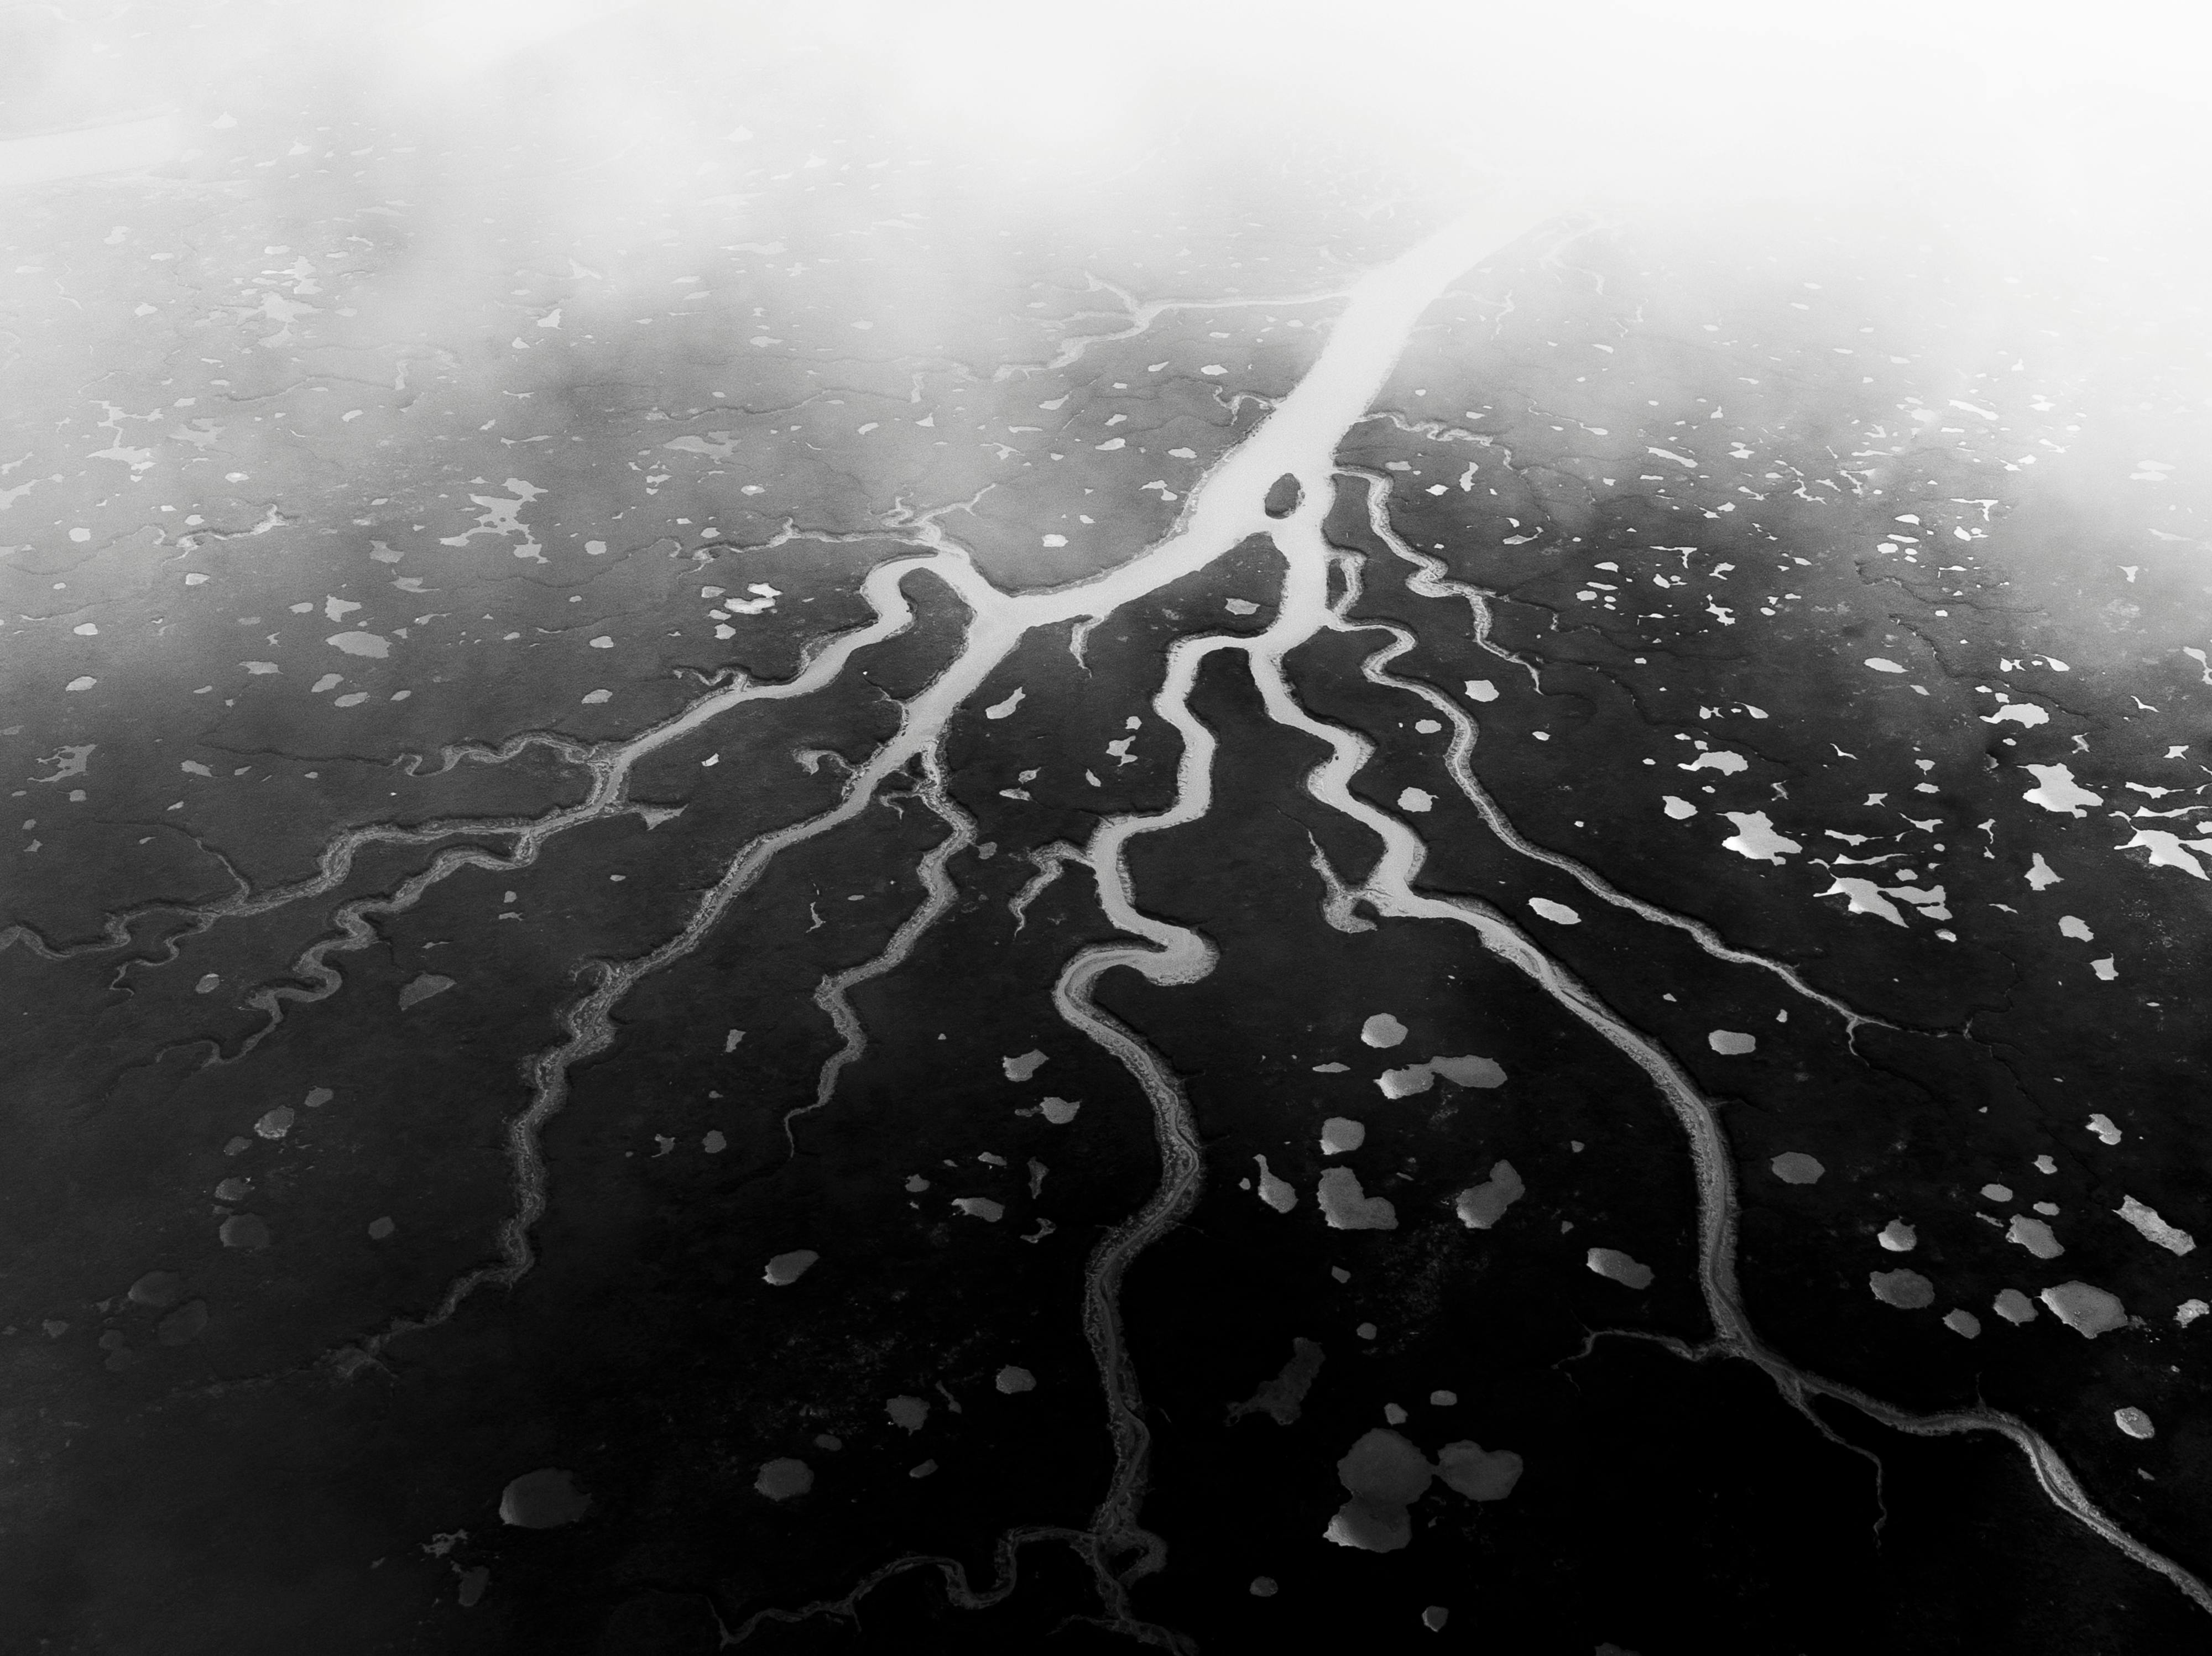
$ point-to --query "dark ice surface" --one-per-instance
(566, 1094)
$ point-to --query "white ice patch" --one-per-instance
(1558, 912)
(1346, 1207)
(2167, 850)
(1881, 664)
(1416, 799)
(1719, 760)
(1381, 1030)
(2074, 926)
(1677, 809)
(2133, 1422)
(2014, 1306)
(786, 1269)
(1732, 1043)
(2041, 875)
(1796, 1168)
(2102, 1125)
(2035, 1237)
(1000, 709)
(1898, 1237)
(2155, 1229)
(2088, 1311)
(2055, 790)
(1022, 1068)
(1481, 689)
(1275, 1192)
(1755, 837)
(1612, 1263)
(1481, 1206)
(1963, 1322)
(1907, 1291)
(1340, 1135)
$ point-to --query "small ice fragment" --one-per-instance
(922, 1470)
(1434, 1618)
(1898, 1237)
(2019, 712)
(2106, 969)
(1022, 1068)
(244, 1230)
(276, 1124)
(1346, 1207)
(2088, 1311)
(1882, 664)
(1677, 809)
(1282, 1399)
(1011, 1379)
(2040, 873)
(379, 1228)
(1612, 1262)
(1559, 913)
(157, 1288)
(361, 644)
(1340, 1135)
(1381, 1030)
(183, 1324)
(907, 1413)
(2155, 1229)
(1416, 799)
(1963, 1322)
(1732, 1043)
(1443, 1399)
(714, 1143)
(784, 1477)
(2035, 1237)
(1060, 1111)
(1001, 709)
(1796, 1168)
(1481, 1206)
(421, 987)
(2072, 925)
(473, 1583)
(1263, 1587)
(785, 1269)
(1481, 689)
(1393, 1415)
(1277, 1193)
(980, 1207)
(1908, 1290)
(1996, 1192)
(542, 1500)
(317, 1097)
(1331, 1069)
(1478, 1475)
(2044, 1164)
(2101, 1124)
(2188, 1311)
(1468, 1071)
(2133, 1422)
